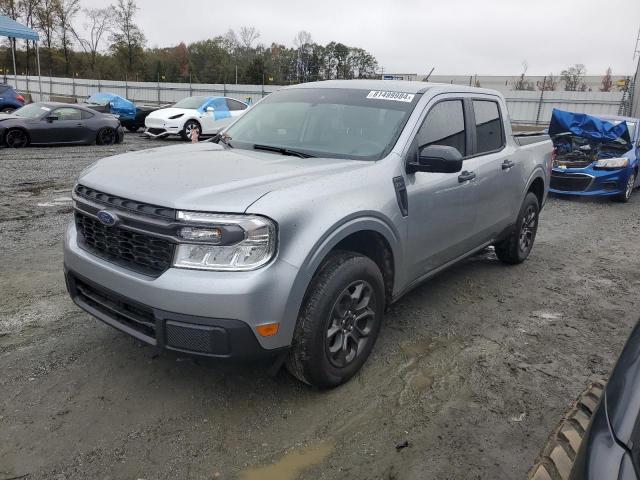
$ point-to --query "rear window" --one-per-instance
(489, 133)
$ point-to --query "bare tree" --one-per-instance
(607, 82)
(573, 78)
(248, 36)
(98, 21)
(548, 84)
(128, 40)
(64, 12)
(303, 42)
(522, 83)
(46, 23)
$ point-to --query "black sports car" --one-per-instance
(49, 123)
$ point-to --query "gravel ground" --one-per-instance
(472, 369)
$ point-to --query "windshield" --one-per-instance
(33, 110)
(191, 102)
(326, 122)
(100, 98)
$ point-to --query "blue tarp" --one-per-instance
(11, 28)
(587, 126)
(220, 106)
(122, 107)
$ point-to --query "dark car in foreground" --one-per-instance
(599, 438)
(596, 155)
(50, 123)
(10, 100)
(131, 116)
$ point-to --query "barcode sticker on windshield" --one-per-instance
(395, 96)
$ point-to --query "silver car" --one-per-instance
(287, 235)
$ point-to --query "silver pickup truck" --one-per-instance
(288, 234)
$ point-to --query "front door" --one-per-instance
(442, 206)
(69, 127)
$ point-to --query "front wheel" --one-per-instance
(625, 196)
(8, 110)
(133, 128)
(189, 128)
(517, 246)
(339, 321)
(16, 138)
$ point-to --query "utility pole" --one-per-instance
(635, 100)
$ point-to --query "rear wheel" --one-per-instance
(106, 136)
(625, 196)
(517, 246)
(188, 129)
(339, 321)
(558, 455)
(8, 110)
(16, 138)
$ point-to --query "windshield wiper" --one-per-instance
(222, 138)
(282, 151)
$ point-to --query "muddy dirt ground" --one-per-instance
(472, 369)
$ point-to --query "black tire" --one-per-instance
(16, 138)
(517, 246)
(330, 342)
(8, 110)
(190, 125)
(559, 453)
(133, 128)
(625, 196)
(106, 136)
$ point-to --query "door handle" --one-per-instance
(80, 125)
(507, 164)
(466, 176)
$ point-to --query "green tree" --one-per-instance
(128, 40)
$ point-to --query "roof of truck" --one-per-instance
(392, 85)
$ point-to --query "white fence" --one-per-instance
(530, 107)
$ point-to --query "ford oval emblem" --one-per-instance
(107, 218)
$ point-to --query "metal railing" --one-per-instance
(525, 107)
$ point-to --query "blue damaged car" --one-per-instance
(131, 116)
(595, 155)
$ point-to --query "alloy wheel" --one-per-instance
(107, 136)
(16, 139)
(629, 188)
(351, 321)
(528, 229)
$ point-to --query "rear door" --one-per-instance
(498, 168)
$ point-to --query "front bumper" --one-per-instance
(589, 182)
(156, 128)
(199, 312)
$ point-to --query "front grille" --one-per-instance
(156, 131)
(138, 317)
(570, 182)
(136, 251)
(124, 203)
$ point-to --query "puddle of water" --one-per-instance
(291, 465)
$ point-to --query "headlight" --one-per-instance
(176, 116)
(611, 163)
(224, 242)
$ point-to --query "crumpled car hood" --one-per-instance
(205, 176)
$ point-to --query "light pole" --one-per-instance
(635, 105)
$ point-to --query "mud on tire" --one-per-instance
(346, 282)
(556, 458)
(511, 250)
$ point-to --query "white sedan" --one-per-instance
(206, 115)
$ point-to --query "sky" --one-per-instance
(490, 37)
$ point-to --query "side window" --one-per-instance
(444, 125)
(67, 113)
(86, 115)
(235, 105)
(490, 135)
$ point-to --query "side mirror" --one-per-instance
(51, 118)
(211, 109)
(437, 159)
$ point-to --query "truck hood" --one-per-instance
(205, 176)
(6, 116)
